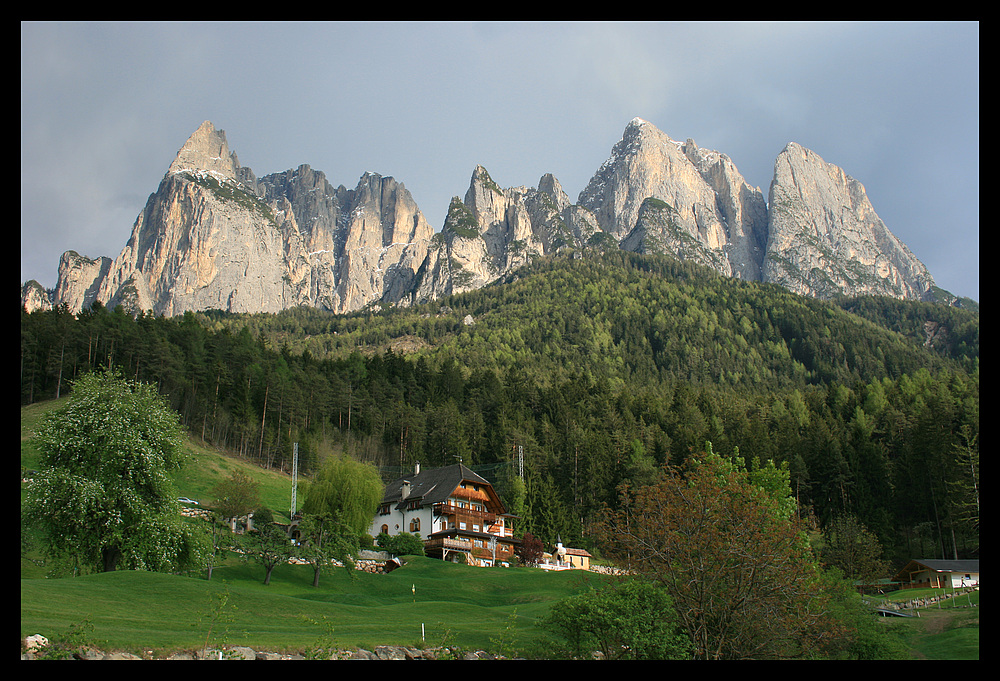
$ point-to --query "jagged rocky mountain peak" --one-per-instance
(550, 186)
(825, 238)
(637, 125)
(206, 150)
(718, 214)
(215, 236)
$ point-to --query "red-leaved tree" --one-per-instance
(530, 550)
(734, 560)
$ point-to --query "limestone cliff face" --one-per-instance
(817, 235)
(80, 280)
(494, 231)
(35, 297)
(825, 239)
(214, 236)
(346, 249)
(713, 207)
(202, 242)
(658, 230)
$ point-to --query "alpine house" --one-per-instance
(455, 511)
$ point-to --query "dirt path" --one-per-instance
(934, 623)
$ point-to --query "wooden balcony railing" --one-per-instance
(448, 543)
(463, 545)
(451, 509)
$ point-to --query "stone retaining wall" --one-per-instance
(927, 600)
(245, 653)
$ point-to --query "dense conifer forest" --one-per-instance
(599, 369)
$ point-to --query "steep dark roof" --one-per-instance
(432, 485)
(950, 565)
(967, 566)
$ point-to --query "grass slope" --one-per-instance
(948, 630)
(455, 605)
(141, 611)
(205, 466)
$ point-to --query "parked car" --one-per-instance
(185, 500)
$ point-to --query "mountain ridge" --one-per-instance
(214, 236)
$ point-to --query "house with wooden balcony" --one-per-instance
(455, 511)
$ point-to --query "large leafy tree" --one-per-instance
(852, 548)
(729, 554)
(347, 491)
(103, 497)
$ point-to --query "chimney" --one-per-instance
(416, 468)
(404, 491)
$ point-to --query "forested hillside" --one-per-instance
(600, 369)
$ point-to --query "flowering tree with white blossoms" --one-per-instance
(103, 496)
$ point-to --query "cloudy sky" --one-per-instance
(106, 106)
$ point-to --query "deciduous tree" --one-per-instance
(347, 491)
(104, 496)
(530, 550)
(236, 496)
(324, 540)
(630, 620)
(735, 563)
(266, 544)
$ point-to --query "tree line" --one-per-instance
(601, 370)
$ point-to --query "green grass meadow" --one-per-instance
(425, 603)
(948, 630)
(451, 604)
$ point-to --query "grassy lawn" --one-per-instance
(948, 630)
(473, 608)
(455, 604)
(136, 611)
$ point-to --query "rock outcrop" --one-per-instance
(214, 235)
(824, 237)
(712, 208)
(494, 231)
(34, 296)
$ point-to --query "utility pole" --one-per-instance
(295, 477)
